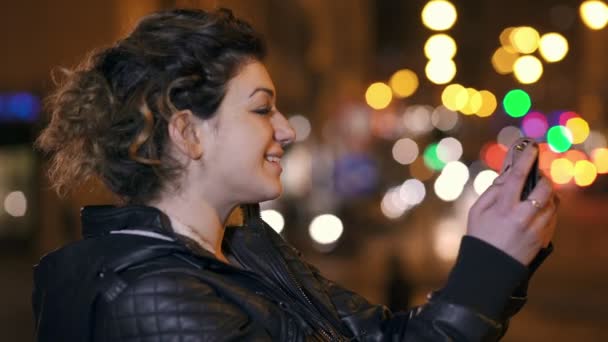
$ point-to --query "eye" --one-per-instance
(264, 110)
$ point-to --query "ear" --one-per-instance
(185, 134)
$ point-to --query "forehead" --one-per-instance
(251, 76)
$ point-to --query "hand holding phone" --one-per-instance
(534, 175)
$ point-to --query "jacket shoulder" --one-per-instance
(172, 304)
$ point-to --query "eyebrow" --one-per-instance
(266, 90)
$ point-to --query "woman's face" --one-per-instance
(242, 156)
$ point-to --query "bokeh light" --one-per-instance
(493, 155)
(19, 107)
(594, 14)
(449, 149)
(563, 117)
(503, 60)
(599, 157)
(488, 104)
(440, 46)
(505, 39)
(553, 47)
(15, 204)
(517, 103)
(483, 180)
(559, 138)
(439, 15)
(444, 119)
(508, 135)
(326, 229)
(562, 171)
(417, 119)
(454, 97)
(545, 157)
(297, 176)
(585, 173)
(302, 127)
(575, 156)
(440, 71)
(412, 192)
(404, 83)
(431, 159)
(392, 206)
(446, 239)
(457, 172)
(579, 129)
(524, 39)
(527, 69)
(378, 95)
(405, 151)
(446, 189)
(274, 219)
(473, 104)
(535, 125)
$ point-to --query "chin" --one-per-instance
(273, 192)
(266, 192)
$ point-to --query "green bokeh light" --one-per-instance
(517, 103)
(431, 159)
(559, 138)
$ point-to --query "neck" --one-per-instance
(197, 219)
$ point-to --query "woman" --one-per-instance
(179, 121)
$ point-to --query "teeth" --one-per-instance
(273, 159)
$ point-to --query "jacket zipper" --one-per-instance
(330, 331)
(330, 334)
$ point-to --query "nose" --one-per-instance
(283, 132)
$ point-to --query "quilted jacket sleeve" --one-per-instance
(173, 307)
(484, 290)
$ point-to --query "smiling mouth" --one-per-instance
(273, 159)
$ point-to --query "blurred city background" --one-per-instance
(403, 111)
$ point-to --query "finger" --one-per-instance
(508, 162)
(502, 177)
(542, 194)
(487, 198)
(518, 173)
(544, 224)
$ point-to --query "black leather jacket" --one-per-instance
(132, 279)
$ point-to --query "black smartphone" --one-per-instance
(534, 175)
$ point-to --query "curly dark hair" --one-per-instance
(109, 116)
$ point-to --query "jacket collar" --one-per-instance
(101, 219)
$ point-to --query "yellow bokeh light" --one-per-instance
(378, 95)
(594, 14)
(440, 46)
(599, 156)
(505, 39)
(488, 104)
(553, 47)
(562, 170)
(503, 60)
(439, 15)
(404, 83)
(474, 102)
(579, 129)
(454, 97)
(584, 173)
(440, 71)
(524, 39)
(527, 69)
